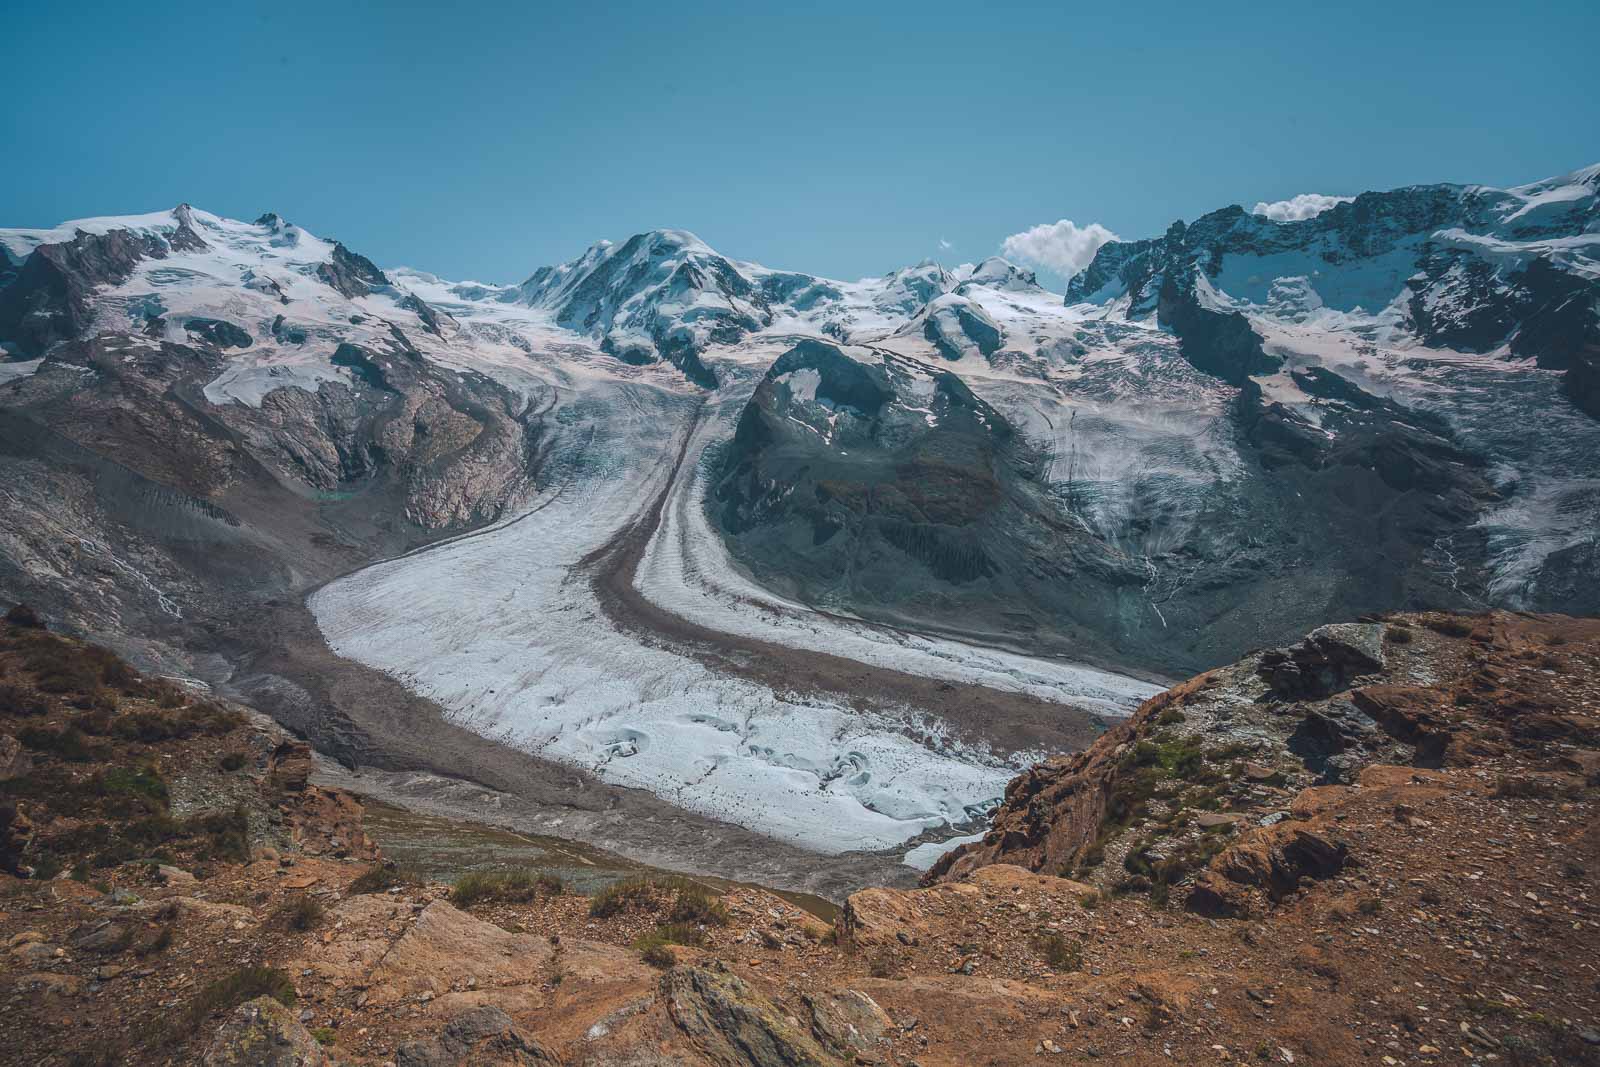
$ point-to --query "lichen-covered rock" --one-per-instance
(263, 1033)
(733, 1025)
(481, 1037)
(847, 1020)
(14, 762)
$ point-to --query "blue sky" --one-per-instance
(479, 140)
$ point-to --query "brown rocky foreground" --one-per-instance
(1380, 846)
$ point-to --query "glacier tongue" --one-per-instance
(501, 628)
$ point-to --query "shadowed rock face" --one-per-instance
(1582, 382)
(48, 300)
(862, 480)
(867, 483)
(1221, 343)
(956, 325)
(351, 273)
(218, 332)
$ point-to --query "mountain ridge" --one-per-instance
(259, 459)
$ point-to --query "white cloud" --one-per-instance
(1304, 206)
(946, 245)
(1063, 247)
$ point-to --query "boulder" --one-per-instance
(14, 760)
(1272, 860)
(732, 1025)
(1325, 662)
(106, 937)
(446, 941)
(264, 1033)
(480, 1037)
(174, 875)
(847, 1020)
(289, 769)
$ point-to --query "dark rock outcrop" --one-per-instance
(185, 238)
(48, 300)
(1326, 662)
(954, 324)
(733, 1025)
(432, 321)
(1582, 381)
(219, 332)
(481, 1037)
(1221, 343)
(264, 1033)
(351, 273)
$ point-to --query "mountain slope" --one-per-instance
(703, 469)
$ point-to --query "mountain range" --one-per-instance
(820, 561)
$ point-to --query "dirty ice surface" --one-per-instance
(503, 630)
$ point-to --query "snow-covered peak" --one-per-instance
(1565, 196)
(958, 327)
(909, 288)
(998, 273)
(19, 243)
(664, 294)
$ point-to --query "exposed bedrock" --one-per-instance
(863, 482)
(1219, 790)
(351, 273)
(1218, 342)
(49, 299)
(138, 510)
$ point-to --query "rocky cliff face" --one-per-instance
(879, 484)
(1175, 802)
(863, 482)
